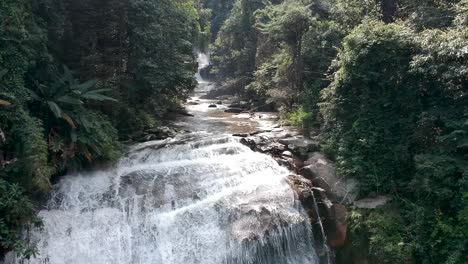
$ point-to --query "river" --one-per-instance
(199, 198)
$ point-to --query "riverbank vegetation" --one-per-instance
(385, 83)
(76, 78)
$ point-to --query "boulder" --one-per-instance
(243, 135)
(299, 145)
(251, 142)
(212, 106)
(299, 142)
(234, 110)
(301, 186)
(323, 171)
(157, 133)
(274, 148)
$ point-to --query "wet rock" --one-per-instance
(294, 163)
(242, 104)
(219, 102)
(372, 202)
(299, 145)
(301, 186)
(212, 106)
(243, 135)
(157, 133)
(193, 103)
(274, 148)
(287, 153)
(337, 232)
(298, 142)
(323, 171)
(323, 184)
(250, 142)
(234, 110)
(283, 162)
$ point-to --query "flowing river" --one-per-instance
(200, 198)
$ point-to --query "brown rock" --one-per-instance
(300, 185)
(345, 190)
(337, 233)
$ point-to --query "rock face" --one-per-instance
(322, 171)
(321, 191)
(337, 228)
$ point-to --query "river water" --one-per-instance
(200, 198)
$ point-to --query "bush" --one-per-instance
(16, 213)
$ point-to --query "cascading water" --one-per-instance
(200, 198)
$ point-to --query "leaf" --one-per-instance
(87, 85)
(98, 91)
(3, 102)
(86, 124)
(69, 120)
(55, 109)
(3, 72)
(99, 97)
(70, 100)
(34, 95)
(67, 74)
(73, 136)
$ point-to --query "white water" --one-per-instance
(199, 199)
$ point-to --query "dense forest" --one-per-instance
(383, 83)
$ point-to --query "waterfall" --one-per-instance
(196, 199)
(200, 198)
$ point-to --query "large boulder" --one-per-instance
(300, 145)
(301, 186)
(322, 172)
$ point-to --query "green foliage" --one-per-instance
(162, 37)
(66, 92)
(372, 84)
(409, 141)
(299, 117)
(16, 212)
(233, 53)
(349, 14)
(219, 11)
(378, 236)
